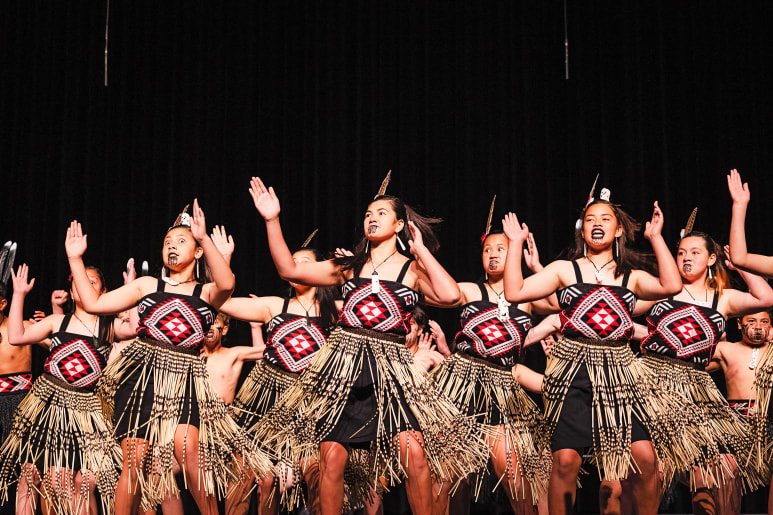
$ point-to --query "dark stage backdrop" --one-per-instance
(461, 100)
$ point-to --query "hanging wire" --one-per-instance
(566, 45)
(107, 20)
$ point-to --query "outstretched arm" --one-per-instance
(223, 278)
(18, 332)
(316, 273)
(550, 325)
(528, 378)
(739, 191)
(668, 282)
(249, 309)
(535, 287)
(108, 303)
(760, 294)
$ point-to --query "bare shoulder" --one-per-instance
(470, 292)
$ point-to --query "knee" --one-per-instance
(333, 460)
(644, 456)
(566, 463)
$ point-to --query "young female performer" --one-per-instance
(683, 333)
(164, 403)
(59, 433)
(762, 422)
(362, 388)
(478, 377)
(296, 328)
(596, 393)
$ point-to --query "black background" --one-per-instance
(461, 100)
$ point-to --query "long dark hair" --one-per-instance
(626, 258)
(719, 279)
(324, 296)
(106, 334)
(201, 271)
(405, 213)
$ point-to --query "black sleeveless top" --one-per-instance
(685, 331)
(484, 335)
(292, 340)
(75, 358)
(596, 311)
(389, 310)
(175, 318)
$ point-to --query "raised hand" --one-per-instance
(728, 258)
(37, 316)
(514, 230)
(58, 297)
(531, 255)
(417, 240)
(20, 283)
(223, 241)
(655, 226)
(266, 201)
(129, 274)
(339, 252)
(739, 190)
(198, 223)
(440, 338)
(75, 241)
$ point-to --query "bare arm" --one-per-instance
(739, 191)
(256, 331)
(251, 353)
(322, 273)
(528, 378)
(760, 294)
(668, 282)
(434, 282)
(224, 282)
(18, 332)
(550, 325)
(250, 309)
(640, 332)
(535, 287)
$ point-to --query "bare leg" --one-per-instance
(333, 458)
(375, 507)
(461, 499)
(418, 483)
(644, 484)
(85, 481)
(520, 498)
(26, 495)
(311, 476)
(269, 496)
(186, 450)
(238, 501)
(724, 499)
(610, 497)
(127, 498)
(563, 481)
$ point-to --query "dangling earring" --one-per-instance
(367, 246)
(400, 243)
(617, 247)
(584, 249)
(710, 276)
(164, 276)
(197, 270)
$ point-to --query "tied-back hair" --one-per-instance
(106, 334)
(719, 278)
(324, 296)
(492, 232)
(626, 258)
(405, 213)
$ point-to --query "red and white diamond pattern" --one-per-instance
(601, 314)
(490, 336)
(377, 311)
(174, 322)
(296, 343)
(687, 331)
(75, 362)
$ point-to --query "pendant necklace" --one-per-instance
(753, 360)
(308, 318)
(93, 335)
(503, 306)
(172, 282)
(598, 271)
(705, 295)
(375, 286)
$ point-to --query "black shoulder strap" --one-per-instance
(160, 286)
(65, 322)
(197, 290)
(626, 276)
(577, 272)
(483, 292)
(403, 271)
(285, 304)
(715, 301)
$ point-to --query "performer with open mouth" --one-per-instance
(362, 389)
(597, 395)
(158, 387)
